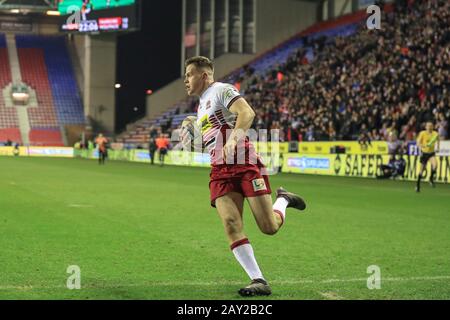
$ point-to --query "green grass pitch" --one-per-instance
(141, 232)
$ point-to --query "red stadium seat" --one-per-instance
(12, 134)
(46, 137)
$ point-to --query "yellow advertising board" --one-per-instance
(268, 147)
(12, 151)
(196, 159)
(59, 152)
(6, 151)
(351, 147)
(358, 165)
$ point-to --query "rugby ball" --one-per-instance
(190, 134)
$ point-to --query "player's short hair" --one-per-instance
(200, 62)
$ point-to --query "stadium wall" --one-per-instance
(277, 21)
(95, 66)
(342, 7)
(330, 9)
(47, 28)
(76, 44)
(23, 24)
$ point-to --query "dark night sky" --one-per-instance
(148, 59)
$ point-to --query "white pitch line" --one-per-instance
(331, 296)
(74, 205)
(393, 279)
(190, 283)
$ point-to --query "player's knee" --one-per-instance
(232, 225)
(269, 229)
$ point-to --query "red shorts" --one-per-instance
(245, 179)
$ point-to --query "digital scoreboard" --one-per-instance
(97, 16)
(66, 6)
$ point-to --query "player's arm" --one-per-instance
(244, 120)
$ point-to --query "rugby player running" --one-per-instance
(222, 109)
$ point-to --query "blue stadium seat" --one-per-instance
(64, 88)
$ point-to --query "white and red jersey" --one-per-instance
(214, 119)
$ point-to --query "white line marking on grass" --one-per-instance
(392, 279)
(16, 287)
(106, 285)
(331, 296)
(74, 205)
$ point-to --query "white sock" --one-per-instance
(280, 206)
(243, 252)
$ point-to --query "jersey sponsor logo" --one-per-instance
(230, 93)
(259, 185)
(205, 124)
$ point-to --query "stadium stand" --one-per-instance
(10, 134)
(34, 73)
(9, 124)
(46, 137)
(316, 85)
(339, 97)
(46, 67)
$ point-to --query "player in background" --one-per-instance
(426, 141)
(101, 142)
(152, 147)
(222, 109)
(162, 143)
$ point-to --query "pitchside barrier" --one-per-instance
(347, 147)
(59, 152)
(351, 159)
(348, 158)
(359, 165)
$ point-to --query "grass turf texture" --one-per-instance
(141, 232)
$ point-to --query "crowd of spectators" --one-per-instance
(370, 85)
